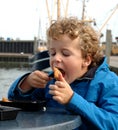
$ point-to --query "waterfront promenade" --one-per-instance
(114, 64)
(114, 61)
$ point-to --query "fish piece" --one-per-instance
(57, 74)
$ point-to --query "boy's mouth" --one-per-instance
(62, 72)
(51, 74)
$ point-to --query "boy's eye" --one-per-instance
(65, 53)
(52, 53)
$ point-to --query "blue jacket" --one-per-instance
(95, 98)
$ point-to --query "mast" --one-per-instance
(83, 14)
(58, 9)
(49, 17)
(66, 11)
(83, 10)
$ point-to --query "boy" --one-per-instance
(86, 87)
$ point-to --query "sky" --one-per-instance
(26, 19)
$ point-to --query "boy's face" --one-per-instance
(66, 56)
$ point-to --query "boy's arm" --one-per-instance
(15, 93)
(102, 117)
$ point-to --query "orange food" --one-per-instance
(5, 99)
(57, 73)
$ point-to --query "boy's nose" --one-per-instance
(57, 58)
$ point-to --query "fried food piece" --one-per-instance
(57, 73)
(5, 99)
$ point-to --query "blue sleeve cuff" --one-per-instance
(14, 91)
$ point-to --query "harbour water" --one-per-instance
(7, 76)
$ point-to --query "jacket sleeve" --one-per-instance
(104, 115)
(14, 92)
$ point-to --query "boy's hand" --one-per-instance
(61, 90)
(36, 79)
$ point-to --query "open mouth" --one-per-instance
(62, 72)
(51, 74)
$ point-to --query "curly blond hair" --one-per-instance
(74, 28)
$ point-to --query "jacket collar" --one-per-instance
(91, 72)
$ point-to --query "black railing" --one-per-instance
(17, 47)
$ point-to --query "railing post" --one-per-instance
(35, 45)
(108, 45)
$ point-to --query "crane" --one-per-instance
(108, 18)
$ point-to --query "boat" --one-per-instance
(41, 58)
(40, 61)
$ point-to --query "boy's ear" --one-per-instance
(87, 61)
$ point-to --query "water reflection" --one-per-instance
(7, 76)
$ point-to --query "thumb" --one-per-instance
(61, 78)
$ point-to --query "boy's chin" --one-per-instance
(69, 81)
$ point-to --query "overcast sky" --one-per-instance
(23, 18)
